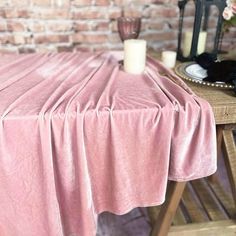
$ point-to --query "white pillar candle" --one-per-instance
(59, 3)
(202, 42)
(168, 58)
(134, 55)
(188, 42)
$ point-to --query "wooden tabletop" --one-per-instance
(223, 102)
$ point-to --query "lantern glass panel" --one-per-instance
(211, 27)
(188, 27)
(199, 27)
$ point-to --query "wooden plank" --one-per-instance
(153, 214)
(194, 207)
(216, 228)
(168, 208)
(224, 197)
(179, 218)
(211, 205)
(230, 159)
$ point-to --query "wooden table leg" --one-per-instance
(219, 136)
(168, 208)
(230, 159)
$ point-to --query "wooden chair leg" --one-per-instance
(168, 209)
(230, 159)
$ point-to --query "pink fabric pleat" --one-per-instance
(79, 136)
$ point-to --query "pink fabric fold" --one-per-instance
(79, 136)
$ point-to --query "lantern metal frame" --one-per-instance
(202, 8)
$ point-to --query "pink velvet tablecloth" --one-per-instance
(79, 136)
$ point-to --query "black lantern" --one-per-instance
(194, 41)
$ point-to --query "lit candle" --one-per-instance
(168, 58)
(134, 55)
(188, 43)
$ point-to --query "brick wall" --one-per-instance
(70, 25)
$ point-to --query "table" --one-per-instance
(79, 136)
(223, 103)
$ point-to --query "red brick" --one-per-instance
(135, 2)
(36, 26)
(15, 26)
(162, 11)
(82, 26)
(61, 38)
(102, 2)
(189, 9)
(22, 13)
(90, 24)
(170, 45)
(6, 39)
(83, 48)
(38, 39)
(8, 50)
(42, 39)
(29, 39)
(49, 13)
(231, 34)
(212, 23)
(120, 2)
(65, 48)
(116, 47)
(25, 49)
(61, 3)
(59, 26)
(100, 25)
(20, 3)
(14, 13)
(174, 23)
(161, 36)
(100, 48)
(114, 38)
(3, 3)
(114, 13)
(11, 13)
(153, 25)
(146, 12)
(78, 38)
(144, 2)
(188, 23)
(133, 12)
(90, 38)
(19, 39)
(41, 2)
(3, 27)
(114, 27)
(90, 13)
(164, 1)
(2, 13)
(82, 2)
(46, 48)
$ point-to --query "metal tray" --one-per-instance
(191, 71)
